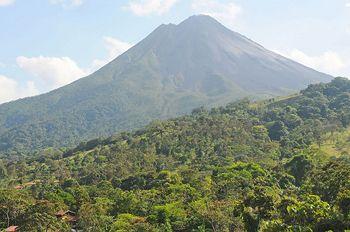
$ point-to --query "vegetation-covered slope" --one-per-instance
(243, 167)
(174, 70)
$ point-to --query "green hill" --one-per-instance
(175, 69)
(244, 167)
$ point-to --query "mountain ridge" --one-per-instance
(176, 68)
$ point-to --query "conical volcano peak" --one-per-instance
(201, 18)
(202, 22)
(198, 62)
(194, 24)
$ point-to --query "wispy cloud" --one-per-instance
(6, 2)
(11, 90)
(68, 3)
(328, 62)
(147, 7)
(115, 47)
(53, 71)
(64, 3)
(225, 12)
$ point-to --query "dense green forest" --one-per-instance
(276, 165)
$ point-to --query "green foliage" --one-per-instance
(131, 223)
(343, 201)
(307, 212)
(226, 169)
(298, 167)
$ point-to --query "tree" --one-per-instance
(172, 213)
(307, 213)
(41, 217)
(131, 223)
(219, 215)
(331, 178)
(3, 170)
(343, 202)
(277, 130)
(298, 167)
(95, 217)
(13, 205)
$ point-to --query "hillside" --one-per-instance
(244, 167)
(173, 70)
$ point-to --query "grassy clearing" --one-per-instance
(334, 144)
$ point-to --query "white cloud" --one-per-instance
(147, 7)
(225, 12)
(328, 62)
(2, 65)
(347, 4)
(67, 3)
(53, 71)
(6, 2)
(10, 89)
(114, 47)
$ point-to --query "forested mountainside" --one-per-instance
(172, 71)
(277, 165)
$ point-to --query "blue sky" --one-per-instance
(45, 44)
